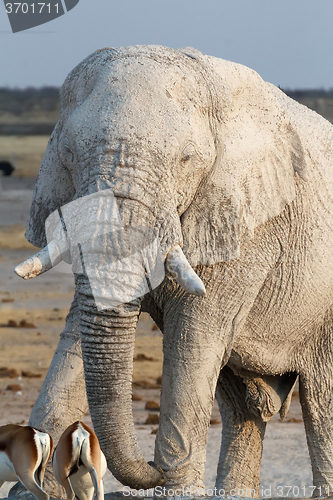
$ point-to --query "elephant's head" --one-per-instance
(198, 150)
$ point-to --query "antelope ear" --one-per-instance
(53, 189)
(258, 153)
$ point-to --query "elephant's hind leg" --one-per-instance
(316, 396)
(318, 420)
(242, 436)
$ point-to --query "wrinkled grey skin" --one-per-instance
(240, 176)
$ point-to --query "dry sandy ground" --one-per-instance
(38, 308)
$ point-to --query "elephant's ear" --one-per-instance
(53, 189)
(258, 153)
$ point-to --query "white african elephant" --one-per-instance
(224, 165)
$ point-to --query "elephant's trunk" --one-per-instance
(108, 345)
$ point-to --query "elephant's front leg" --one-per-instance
(193, 350)
(242, 436)
(198, 337)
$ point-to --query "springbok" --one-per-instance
(24, 453)
(79, 464)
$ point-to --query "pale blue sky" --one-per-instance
(289, 42)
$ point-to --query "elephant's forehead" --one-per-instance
(145, 116)
(132, 123)
(140, 103)
(145, 83)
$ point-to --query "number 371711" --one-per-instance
(32, 8)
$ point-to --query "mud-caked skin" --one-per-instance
(237, 174)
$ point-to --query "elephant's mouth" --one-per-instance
(106, 242)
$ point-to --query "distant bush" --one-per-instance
(26, 128)
(29, 100)
(309, 94)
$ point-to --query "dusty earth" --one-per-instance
(32, 314)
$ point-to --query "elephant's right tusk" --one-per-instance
(41, 262)
(181, 270)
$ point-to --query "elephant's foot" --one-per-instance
(179, 490)
(189, 485)
(19, 491)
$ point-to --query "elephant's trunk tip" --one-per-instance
(139, 474)
(162, 477)
(181, 270)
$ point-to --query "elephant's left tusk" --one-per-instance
(41, 262)
(181, 270)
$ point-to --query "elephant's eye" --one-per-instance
(187, 153)
(69, 155)
(67, 151)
